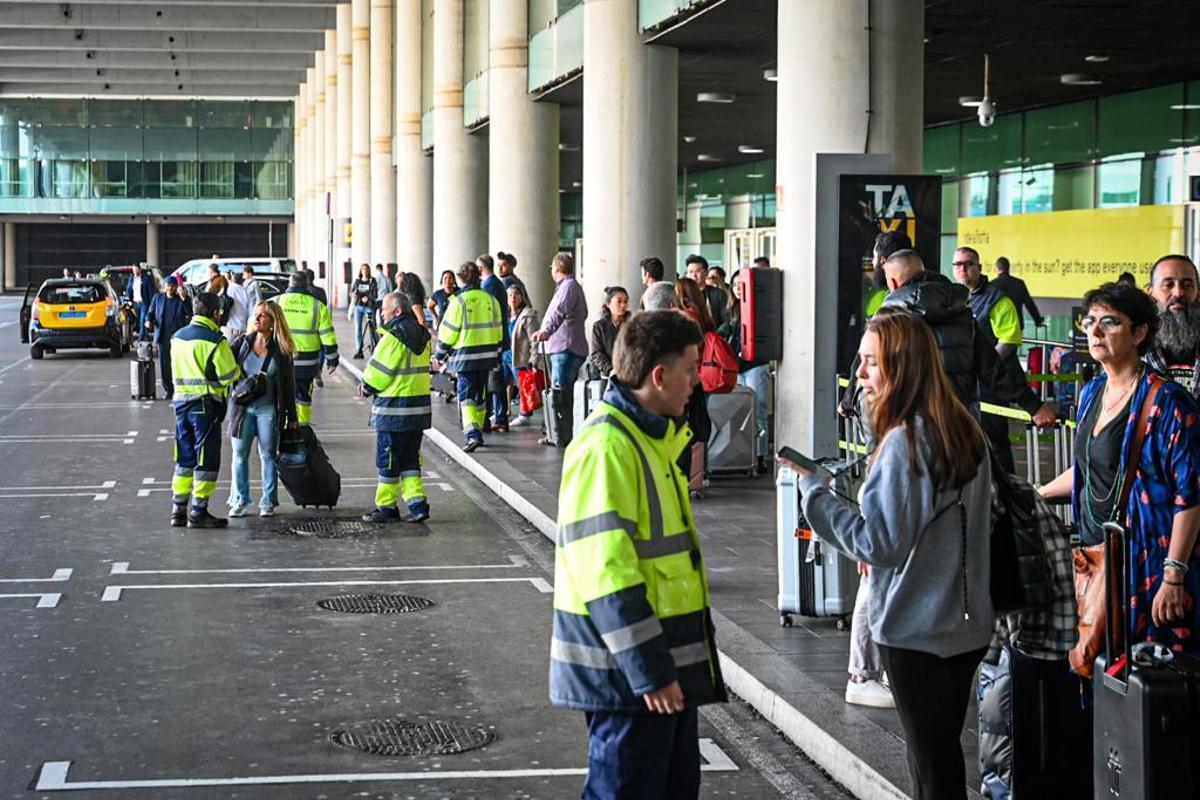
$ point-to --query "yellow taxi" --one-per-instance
(75, 313)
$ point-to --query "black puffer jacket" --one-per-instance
(944, 306)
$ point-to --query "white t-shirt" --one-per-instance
(239, 313)
(137, 289)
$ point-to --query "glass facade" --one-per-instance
(475, 62)
(655, 12)
(555, 42)
(113, 155)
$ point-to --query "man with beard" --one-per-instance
(1176, 351)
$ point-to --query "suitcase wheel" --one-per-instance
(842, 624)
(785, 620)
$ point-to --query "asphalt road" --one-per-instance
(144, 661)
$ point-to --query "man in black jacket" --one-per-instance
(1016, 290)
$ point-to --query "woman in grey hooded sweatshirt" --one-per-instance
(923, 525)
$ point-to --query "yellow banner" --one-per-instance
(1066, 253)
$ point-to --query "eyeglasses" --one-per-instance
(962, 263)
(1109, 323)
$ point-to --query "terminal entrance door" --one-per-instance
(743, 245)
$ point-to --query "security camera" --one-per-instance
(987, 112)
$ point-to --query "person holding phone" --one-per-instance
(923, 526)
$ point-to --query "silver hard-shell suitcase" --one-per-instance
(588, 395)
(731, 443)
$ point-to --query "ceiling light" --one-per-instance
(1096, 58)
(1186, 107)
(563, 147)
(771, 75)
(754, 175)
(970, 101)
(689, 139)
(577, 184)
(749, 149)
(716, 97)
(707, 157)
(1079, 79)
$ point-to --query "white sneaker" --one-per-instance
(869, 693)
(267, 512)
(238, 511)
(519, 421)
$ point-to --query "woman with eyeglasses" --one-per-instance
(1162, 512)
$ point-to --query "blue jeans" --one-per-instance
(259, 423)
(564, 368)
(643, 756)
(360, 313)
(758, 380)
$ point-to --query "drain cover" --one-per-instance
(332, 528)
(403, 738)
(375, 603)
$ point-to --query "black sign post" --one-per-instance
(867, 206)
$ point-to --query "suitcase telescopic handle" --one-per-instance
(1116, 603)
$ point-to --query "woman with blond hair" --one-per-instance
(923, 525)
(267, 349)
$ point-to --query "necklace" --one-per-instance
(1109, 406)
(1101, 509)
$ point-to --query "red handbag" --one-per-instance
(531, 383)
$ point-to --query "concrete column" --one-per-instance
(291, 240)
(383, 178)
(303, 170)
(345, 43)
(459, 159)
(360, 131)
(298, 172)
(523, 214)
(10, 255)
(330, 163)
(414, 169)
(153, 248)
(318, 176)
(630, 150)
(822, 68)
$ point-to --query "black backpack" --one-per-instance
(225, 309)
(1021, 574)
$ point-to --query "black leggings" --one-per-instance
(931, 695)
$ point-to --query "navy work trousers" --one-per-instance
(643, 756)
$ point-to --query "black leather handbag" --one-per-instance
(250, 388)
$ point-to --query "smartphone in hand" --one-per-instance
(796, 457)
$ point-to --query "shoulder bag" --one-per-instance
(250, 388)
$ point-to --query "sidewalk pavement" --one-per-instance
(795, 677)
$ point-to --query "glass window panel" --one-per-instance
(1169, 180)
(55, 112)
(15, 139)
(170, 144)
(60, 142)
(1074, 188)
(115, 114)
(1120, 183)
(116, 144)
(216, 180)
(271, 113)
(1037, 193)
(225, 144)
(994, 148)
(177, 179)
(224, 113)
(541, 14)
(941, 149)
(116, 178)
(170, 113)
(1010, 186)
(272, 180)
(15, 178)
(271, 144)
(950, 201)
(1062, 134)
(1140, 122)
(1191, 115)
(975, 192)
(64, 179)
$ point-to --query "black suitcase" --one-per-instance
(305, 471)
(556, 421)
(445, 384)
(1147, 706)
(141, 379)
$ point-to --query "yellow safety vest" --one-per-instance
(202, 362)
(399, 381)
(311, 326)
(471, 331)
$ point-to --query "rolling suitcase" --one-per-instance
(1147, 704)
(445, 384)
(814, 579)
(305, 471)
(554, 420)
(141, 378)
(588, 395)
(731, 443)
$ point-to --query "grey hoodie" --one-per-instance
(911, 534)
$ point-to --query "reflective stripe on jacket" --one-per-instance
(471, 331)
(631, 600)
(398, 380)
(311, 326)
(202, 362)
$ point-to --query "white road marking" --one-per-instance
(33, 437)
(45, 599)
(113, 593)
(14, 364)
(61, 574)
(445, 487)
(93, 495)
(105, 485)
(122, 568)
(52, 777)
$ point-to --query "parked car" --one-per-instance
(74, 313)
(272, 273)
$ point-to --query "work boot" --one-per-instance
(178, 518)
(203, 519)
(418, 511)
(472, 445)
(382, 515)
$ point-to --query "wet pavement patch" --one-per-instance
(399, 737)
(375, 603)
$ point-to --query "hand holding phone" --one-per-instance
(800, 462)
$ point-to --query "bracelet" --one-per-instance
(1175, 563)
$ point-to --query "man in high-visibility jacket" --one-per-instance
(204, 368)
(633, 642)
(469, 341)
(312, 331)
(397, 381)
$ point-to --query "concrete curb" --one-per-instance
(830, 754)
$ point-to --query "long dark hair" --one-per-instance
(915, 382)
(692, 297)
(411, 285)
(609, 293)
